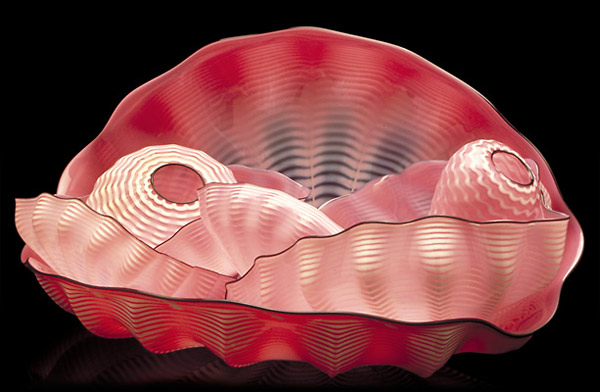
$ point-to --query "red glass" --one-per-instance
(306, 195)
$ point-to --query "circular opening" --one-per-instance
(512, 167)
(177, 183)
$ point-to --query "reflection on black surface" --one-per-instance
(85, 359)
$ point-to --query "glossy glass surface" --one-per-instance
(306, 195)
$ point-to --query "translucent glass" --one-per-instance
(306, 195)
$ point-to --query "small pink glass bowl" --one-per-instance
(363, 143)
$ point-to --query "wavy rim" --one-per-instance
(578, 249)
(78, 200)
(372, 40)
(483, 322)
(395, 47)
(573, 220)
(307, 28)
(562, 217)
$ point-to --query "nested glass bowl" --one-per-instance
(345, 226)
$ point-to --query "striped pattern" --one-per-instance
(76, 242)
(340, 342)
(241, 222)
(243, 335)
(328, 110)
(487, 180)
(333, 112)
(126, 191)
(392, 198)
(431, 269)
(269, 179)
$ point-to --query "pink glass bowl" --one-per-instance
(344, 203)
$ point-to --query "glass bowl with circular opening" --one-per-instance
(306, 195)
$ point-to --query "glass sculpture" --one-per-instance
(306, 195)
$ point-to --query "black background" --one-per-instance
(66, 72)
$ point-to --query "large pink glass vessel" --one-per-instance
(306, 195)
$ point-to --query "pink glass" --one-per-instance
(306, 195)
